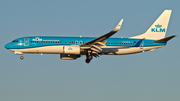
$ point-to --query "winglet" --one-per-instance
(117, 28)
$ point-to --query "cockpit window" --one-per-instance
(15, 41)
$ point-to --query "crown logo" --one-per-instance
(69, 48)
(158, 26)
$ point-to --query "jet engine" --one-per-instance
(71, 50)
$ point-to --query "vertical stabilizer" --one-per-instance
(158, 29)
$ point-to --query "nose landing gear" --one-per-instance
(21, 57)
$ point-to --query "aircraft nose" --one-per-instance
(8, 46)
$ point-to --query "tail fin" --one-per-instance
(158, 29)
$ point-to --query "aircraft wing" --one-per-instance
(93, 47)
(103, 37)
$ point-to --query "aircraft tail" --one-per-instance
(158, 29)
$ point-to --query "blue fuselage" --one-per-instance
(41, 41)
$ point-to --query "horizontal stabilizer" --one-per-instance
(165, 39)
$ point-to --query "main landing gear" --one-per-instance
(88, 58)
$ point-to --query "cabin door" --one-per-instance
(26, 41)
(142, 45)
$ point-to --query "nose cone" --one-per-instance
(8, 46)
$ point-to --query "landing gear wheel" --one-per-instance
(88, 61)
(90, 57)
(21, 57)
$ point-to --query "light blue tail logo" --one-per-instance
(158, 29)
(70, 48)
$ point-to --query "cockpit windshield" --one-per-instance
(15, 41)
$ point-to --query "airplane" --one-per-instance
(71, 48)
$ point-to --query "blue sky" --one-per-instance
(149, 76)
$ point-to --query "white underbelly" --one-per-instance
(127, 50)
(106, 50)
(45, 49)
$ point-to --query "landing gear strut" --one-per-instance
(88, 58)
(21, 57)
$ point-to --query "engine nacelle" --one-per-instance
(71, 49)
(69, 56)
